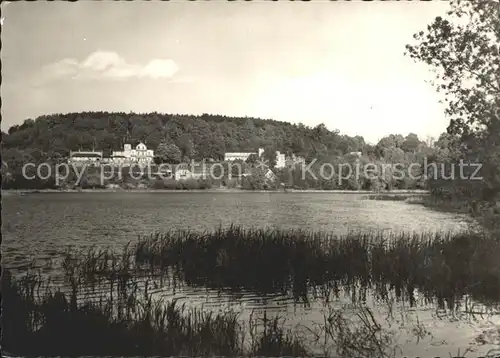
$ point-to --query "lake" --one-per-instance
(40, 227)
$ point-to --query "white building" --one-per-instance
(280, 160)
(270, 175)
(141, 154)
(280, 157)
(183, 174)
(191, 171)
(243, 156)
(231, 157)
(85, 157)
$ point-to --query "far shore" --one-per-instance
(213, 190)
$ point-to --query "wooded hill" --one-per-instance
(197, 137)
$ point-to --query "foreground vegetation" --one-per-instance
(39, 320)
(107, 305)
(51, 323)
(461, 48)
(307, 265)
(442, 266)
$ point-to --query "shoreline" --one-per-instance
(220, 190)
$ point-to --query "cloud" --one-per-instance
(109, 65)
(63, 68)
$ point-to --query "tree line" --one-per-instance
(183, 138)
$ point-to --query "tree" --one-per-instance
(269, 155)
(201, 134)
(252, 159)
(168, 153)
(467, 61)
(256, 181)
(173, 129)
(463, 51)
(359, 143)
(186, 146)
(444, 141)
(411, 143)
(154, 138)
(392, 140)
(248, 135)
(217, 146)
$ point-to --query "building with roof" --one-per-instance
(233, 156)
(140, 155)
(243, 156)
(191, 171)
(269, 174)
(85, 157)
(280, 160)
(183, 174)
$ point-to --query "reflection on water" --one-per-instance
(418, 330)
(443, 331)
(41, 225)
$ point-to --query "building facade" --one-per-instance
(280, 160)
(140, 155)
(191, 171)
(231, 157)
(183, 174)
(85, 157)
(243, 156)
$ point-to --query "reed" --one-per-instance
(443, 266)
(39, 320)
(107, 305)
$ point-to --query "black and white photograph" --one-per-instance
(250, 178)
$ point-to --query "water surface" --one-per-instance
(41, 226)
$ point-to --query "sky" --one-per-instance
(337, 63)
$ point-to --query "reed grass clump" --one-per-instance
(445, 266)
(38, 320)
(107, 304)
